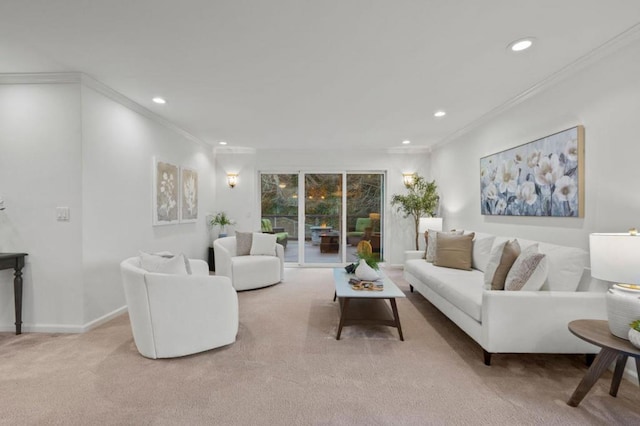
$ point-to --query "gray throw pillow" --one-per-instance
(243, 243)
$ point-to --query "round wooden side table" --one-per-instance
(613, 349)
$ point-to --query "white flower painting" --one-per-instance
(165, 193)
(189, 195)
(540, 178)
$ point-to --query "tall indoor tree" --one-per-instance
(421, 201)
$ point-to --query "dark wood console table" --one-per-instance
(15, 261)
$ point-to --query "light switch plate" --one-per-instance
(62, 213)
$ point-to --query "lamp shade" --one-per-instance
(615, 257)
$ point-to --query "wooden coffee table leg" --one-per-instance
(600, 364)
(396, 317)
(617, 374)
(343, 313)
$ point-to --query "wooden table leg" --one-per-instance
(617, 374)
(17, 292)
(334, 296)
(396, 317)
(600, 364)
(343, 308)
(638, 369)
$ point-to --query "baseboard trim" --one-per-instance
(66, 328)
(103, 319)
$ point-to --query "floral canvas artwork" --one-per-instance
(189, 195)
(541, 178)
(165, 193)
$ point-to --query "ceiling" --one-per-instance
(296, 74)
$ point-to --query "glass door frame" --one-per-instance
(302, 263)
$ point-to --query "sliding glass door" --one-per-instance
(317, 220)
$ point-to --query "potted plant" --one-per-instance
(222, 220)
(421, 201)
(634, 333)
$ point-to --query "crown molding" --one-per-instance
(118, 97)
(609, 47)
(41, 78)
(92, 83)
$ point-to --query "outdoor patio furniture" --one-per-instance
(281, 236)
(354, 237)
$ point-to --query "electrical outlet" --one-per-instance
(62, 214)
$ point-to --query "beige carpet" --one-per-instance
(286, 368)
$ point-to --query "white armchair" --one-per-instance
(177, 315)
(247, 272)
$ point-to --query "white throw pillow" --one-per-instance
(481, 252)
(492, 263)
(175, 265)
(263, 244)
(528, 272)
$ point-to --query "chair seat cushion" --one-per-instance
(255, 271)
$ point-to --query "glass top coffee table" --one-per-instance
(346, 295)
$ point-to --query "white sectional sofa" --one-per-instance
(513, 321)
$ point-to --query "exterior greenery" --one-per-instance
(421, 201)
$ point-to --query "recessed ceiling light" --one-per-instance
(406, 142)
(159, 100)
(439, 114)
(222, 143)
(522, 44)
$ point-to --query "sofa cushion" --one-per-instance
(528, 272)
(244, 241)
(502, 258)
(454, 251)
(461, 288)
(481, 251)
(263, 244)
(432, 242)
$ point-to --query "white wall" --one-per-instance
(41, 168)
(118, 145)
(69, 145)
(605, 98)
(243, 204)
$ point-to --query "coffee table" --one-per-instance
(345, 295)
(613, 349)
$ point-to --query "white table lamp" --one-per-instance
(616, 258)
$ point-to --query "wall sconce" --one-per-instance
(232, 179)
(407, 178)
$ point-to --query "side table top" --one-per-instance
(598, 333)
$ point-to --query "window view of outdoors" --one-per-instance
(323, 214)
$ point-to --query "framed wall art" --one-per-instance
(540, 178)
(165, 193)
(188, 195)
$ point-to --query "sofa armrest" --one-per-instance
(280, 254)
(413, 254)
(199, 267)
(537, 321)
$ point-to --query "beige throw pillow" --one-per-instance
(529, 271)
(432, 242)
(500, 263)
(426, 244)
(243, 243)
(454, 251)
(263, 244)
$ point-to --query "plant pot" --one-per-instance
(366, 272)
(634, 337)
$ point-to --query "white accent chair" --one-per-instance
(247, 272)
(177, 315)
